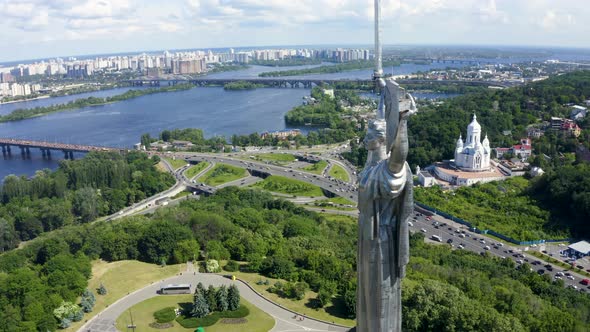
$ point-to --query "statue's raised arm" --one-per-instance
(399, 105)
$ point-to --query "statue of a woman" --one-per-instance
(385, 204)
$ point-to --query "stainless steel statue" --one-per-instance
(385, 204)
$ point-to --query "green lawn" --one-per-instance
(300, 306)
(175, 163)
(121, 278)
(275, 158)
(339, 173)
(336, 203)
(194, 170)
(223, 173)
(316, 168)
(258, 321)
(285, 185)
(181, 194)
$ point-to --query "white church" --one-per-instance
(473, 155)
(472, 163)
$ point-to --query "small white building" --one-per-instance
(426, 179)
(578, 249)
(578, 113)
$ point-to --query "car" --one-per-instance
(423, 230)
(558, 278)
(460, 246)
(482, 241)
(461, 235)
(520, 261)
(487, 247)
(571, 278)
(561, 274)
(450, 241)
(572, 286)
(410, 224)
(500, 244)
(540, 271)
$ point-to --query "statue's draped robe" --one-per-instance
(385, 202)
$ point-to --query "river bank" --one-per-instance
(23, 114)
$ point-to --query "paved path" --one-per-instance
(284, 319)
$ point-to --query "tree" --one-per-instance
(211, 297)
(213, 266)
(165, 135)
(233, 298)
(200, 306)
(231, 266)
(85, 204)
(221, 298)
(8, 237)
(101, 290)
(146, 140)
(186, 250)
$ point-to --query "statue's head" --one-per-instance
(375, 137)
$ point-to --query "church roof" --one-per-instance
(474, 125)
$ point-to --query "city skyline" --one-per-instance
(49, 28)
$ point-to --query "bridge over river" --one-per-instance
(278, 82)
(47, 147)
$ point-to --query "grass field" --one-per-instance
(223, 173)
(175, 163)
(181, 194)
(316, 168)
(121, 278)
(285, 185)
(275, 158)
(339, 173)
(194, 170)
(300, 306)
(340, 218)
(258, 321)
(336, 203)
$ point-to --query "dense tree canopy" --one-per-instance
(78, 192)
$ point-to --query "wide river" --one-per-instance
(214, 110)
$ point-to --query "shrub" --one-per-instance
(231, 266)
(165, 315)
(213, 266)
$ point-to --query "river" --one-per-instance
(216, 111)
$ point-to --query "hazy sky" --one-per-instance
(47, 28)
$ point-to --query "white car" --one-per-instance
(487, 247)
(410, 224)
(560, 274)
(423, 230)
(571, 278)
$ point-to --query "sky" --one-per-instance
(32, 29)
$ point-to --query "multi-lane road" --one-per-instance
(461, 238)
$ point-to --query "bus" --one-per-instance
(176, 289)
(436, 238)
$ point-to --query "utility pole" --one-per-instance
(131, 326)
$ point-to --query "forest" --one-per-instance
(78, 192)
(446, 290)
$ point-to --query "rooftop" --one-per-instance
(582, 247)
